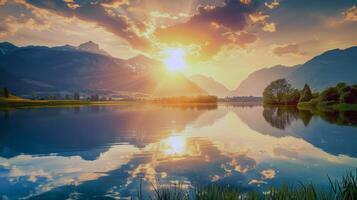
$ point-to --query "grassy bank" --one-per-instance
(344, 189)
(27, 103)
(326, 106)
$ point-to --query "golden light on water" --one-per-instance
(174, 145)
(175, 59)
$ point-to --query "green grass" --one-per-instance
(27, 103)
(344, 189)
(345, 107)
(326, 106)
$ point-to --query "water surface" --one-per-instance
(106, 152)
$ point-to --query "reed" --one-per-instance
(343, 189)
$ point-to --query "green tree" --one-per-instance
(34, 95)
(340, 85)
(280, 92)
(306, 94)
(330, 94)
(349, 96)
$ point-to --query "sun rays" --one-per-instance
(175, 59)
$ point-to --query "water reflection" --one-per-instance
(105, 152)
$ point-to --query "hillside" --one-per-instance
(320, 72)
(66, 69)
(210, 85)
(327, 69)
(255, 83)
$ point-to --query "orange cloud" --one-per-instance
(350, 14)
(212, 28)
(103, 14)
(289, 49)
(272, 4)
(262, 21)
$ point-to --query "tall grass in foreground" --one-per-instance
(344, 189)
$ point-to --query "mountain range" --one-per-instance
(88, 69)
(210, 85)
(322, 71)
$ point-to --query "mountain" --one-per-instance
(6, 47)
(92, 48)
(67, 69)
(210, 85)
(322, 71)
(327, 69)
(255, 83)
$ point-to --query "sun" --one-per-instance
(175, 59)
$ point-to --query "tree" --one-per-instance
(6, 93)
(94, 97)
(76, 96)
(349, 96)
(292, 97)
(280, 92)
(330, 94)
(306, 94)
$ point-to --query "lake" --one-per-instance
(109, 151)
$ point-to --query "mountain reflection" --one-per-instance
(75, 131)
(334, 132)
(66, 152)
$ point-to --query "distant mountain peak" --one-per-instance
(89, 45)
(6, 47)
(92, 47)
(209, 84)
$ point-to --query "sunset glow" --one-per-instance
(178, 99)
(175, 59)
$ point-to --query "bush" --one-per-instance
(330, 94)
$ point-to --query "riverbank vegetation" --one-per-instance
(341, 97)
(185, 99)
(344, 189)
(12, 101)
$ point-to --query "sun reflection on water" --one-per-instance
(174, 145)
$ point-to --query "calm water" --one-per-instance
(103, 152)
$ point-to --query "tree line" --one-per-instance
(280, 92)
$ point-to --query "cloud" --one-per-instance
(350, 14)
(345, 18)
(3, 2)
(272, 4)
(103, 14)
(289, 49)
(11, 24)
(212, 28)
(268, 174)
(262, 20)
(242, 38)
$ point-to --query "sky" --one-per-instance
(224, 39)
